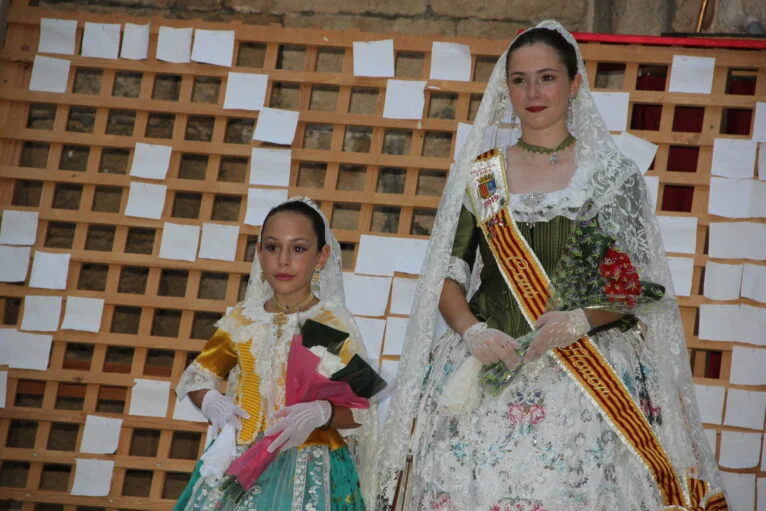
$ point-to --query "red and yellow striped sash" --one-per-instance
(583, 361)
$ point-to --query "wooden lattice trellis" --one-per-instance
(67, 156)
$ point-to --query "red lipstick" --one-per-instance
(535, 109)
(283, 276)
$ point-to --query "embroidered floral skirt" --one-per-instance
(312, 479)
(539, 446)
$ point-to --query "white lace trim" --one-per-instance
(459, 271)
(196, 377)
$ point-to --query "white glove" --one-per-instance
(221, 410)
(491, 345)
(557, 329)
(298, 422)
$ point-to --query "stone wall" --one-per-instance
(491, 19)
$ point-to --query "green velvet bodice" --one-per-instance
(493, 302)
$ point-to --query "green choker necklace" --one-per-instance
(553, 151)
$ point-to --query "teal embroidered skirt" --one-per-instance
(313, 478)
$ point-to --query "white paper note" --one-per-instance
(730, 198)
(652, 188)
(389, 370)
(739, 450)
(613, 107)
(135, 42)
(745, 409)
(679, 233)
(179, 241)
(762, 161)
(145, 200)
(754, 282)
(213, 47)
(83, 314)
(450, 61)
(404, 99)
(733, 158)
(151, 161)
(740, 490)
(260, 201)
(366, 296)
(747, 365)
(49, 270)
(101, 40)
(219, 241)
(716, 320)
(3, 388)
(92, 477)
(737, 240)
(722, 281)
(21, 350)
(174, 45)
(49, 74)
(641, 151)
(691, 74)
(15, 263)
(759, 123)
(761, 485)
(149, 398)
(394, 340)
(758, 200)
(185, 410)
(270, 167)
(463, 130)
(100, 435)
(750, 325)
(276, 126)
(41, 313)
(245, 91)
(403, 295)
(682, 271)
(57, 36)
(372, 331)
(710, 402)
(18, 227)
(374, 58)
(383, 255)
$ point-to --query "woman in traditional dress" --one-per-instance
(296, 276)
(596, 417)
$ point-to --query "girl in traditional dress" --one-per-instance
(296, 276)
(596, 416)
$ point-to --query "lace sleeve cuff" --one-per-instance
(459, 271)
(196, 377)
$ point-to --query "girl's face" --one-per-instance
(288, 253)
(539, 86)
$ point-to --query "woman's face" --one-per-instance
(288, 253)
(539, 86)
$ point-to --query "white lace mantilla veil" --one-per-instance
(616, 188)
(332, 296)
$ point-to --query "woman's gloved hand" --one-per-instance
(557, 329)
(491, 345)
